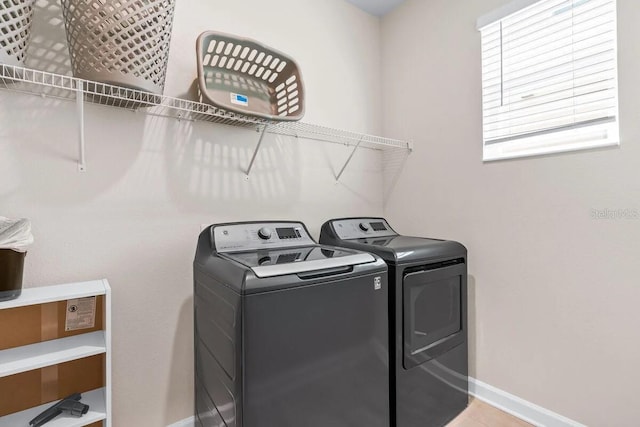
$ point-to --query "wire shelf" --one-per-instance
(24, 80)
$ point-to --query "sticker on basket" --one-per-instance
(81, 314)
(238, 99)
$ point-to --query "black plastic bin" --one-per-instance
(11, 269)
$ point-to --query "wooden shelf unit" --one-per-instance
(41, 362)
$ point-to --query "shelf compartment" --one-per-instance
(51, 383)
(97, 412)
(47, 353)
(43, 322)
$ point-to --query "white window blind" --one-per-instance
(549, 79)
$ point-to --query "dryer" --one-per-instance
(427, 318)
(288, 333)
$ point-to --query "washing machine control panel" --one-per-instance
(358, 228)
(259, 235)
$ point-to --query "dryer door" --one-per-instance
(433, 312)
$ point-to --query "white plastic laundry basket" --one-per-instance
(120, 42)
(247, 77)
(15, 30)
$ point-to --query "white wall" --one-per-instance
(134, 216)
(554, 293)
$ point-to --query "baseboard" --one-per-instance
(518, 407)
(500, 399)
(187, 422)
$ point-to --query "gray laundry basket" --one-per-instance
(15, 30)
(244, 76)
(120, 42)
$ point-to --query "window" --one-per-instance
(549, 77)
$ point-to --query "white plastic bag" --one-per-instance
(15, 234)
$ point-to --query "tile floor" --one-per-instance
(480, 414)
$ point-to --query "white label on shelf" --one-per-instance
(81, 314)
(239, 99)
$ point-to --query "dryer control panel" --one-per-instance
(259, 235)
(359, 228)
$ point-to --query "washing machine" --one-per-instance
(427, 318)
(288, 333)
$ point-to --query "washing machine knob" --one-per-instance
(364, 226)
(265, 260)
(264, 233)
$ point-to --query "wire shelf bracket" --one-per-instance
(82, 167)
(255, 152)
(348, 160)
